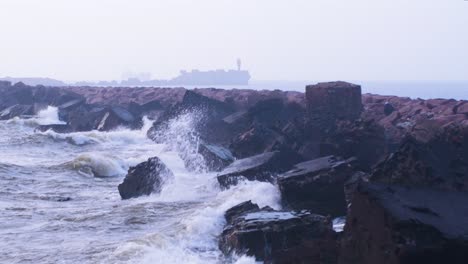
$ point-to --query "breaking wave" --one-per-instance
(47, 116)
(98, 165)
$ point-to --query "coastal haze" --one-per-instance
(234, 132)
(276, 40)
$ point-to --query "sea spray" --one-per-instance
(179, 134)
(179, 225)
(47, 116)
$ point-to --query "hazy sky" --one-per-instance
(276, 39)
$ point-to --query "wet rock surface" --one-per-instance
(317, 185)
(441, 162)
(216, 157)
(144, 179)
(392, 224)
(278, 236)
(330, 101)
(263, 167)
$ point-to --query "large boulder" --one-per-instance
(364, 140)
(144, 179)
(257, 139)
(115, 116)
(261, 128)
(441, 162)
(202, 157)
(263, 167)
(216, 157)
(317, 185)
(58, 128)
(278, 236)
(85, 117)
(16, 111)
(405, 225)
(327, 102)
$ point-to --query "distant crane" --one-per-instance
(239, 64)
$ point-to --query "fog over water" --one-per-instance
(276, 40)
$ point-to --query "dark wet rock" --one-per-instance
(144, 179)
(327, 102)
(240, 209)
(278, 236)
(462, 108)
(274, 112)
(235, 117)
(216, 157)
(317, 185)
(16, 111)
(151, 108)
(352, 183)
(58, 128)
(65, 108)
(28, 95)
(405, 225)
(114, 117)
(70, 105)
(262, 128)
(441, 162)
(63, 199)
(388, 108)
(364, 140)
(84, 117)
(258, 139)
(5, 84)
(263, 167)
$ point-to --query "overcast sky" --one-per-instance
(276, 39)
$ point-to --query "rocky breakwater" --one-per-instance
(75, 111)
(394, 166)
(396, 189)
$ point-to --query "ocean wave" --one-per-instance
(196, 238)
(47, 116)
(98, 165)
(118, 136)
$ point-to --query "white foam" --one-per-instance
(47, 116)
(266, 216)
(99, 165)
(180, 135)
(339, 224)
(118, 136)
(197, 241)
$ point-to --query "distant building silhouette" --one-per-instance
(239, 64)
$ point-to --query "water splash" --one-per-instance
(179, 134)
(47, 116)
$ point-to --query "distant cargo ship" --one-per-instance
(188, 78)
(218, 77)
